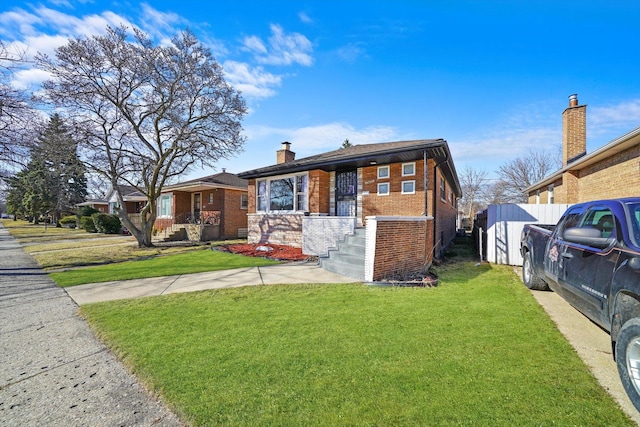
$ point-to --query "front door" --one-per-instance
(197, 206)
(346, 193)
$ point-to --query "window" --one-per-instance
(442, 188)
(383, 189)
(244, 201)
(301, 193)
(600, 218)
(408, 187)
(408, 169)
(262, 196)
(165, 205)
(383, 172)
(550, 194)
(283, 194)
(210, 198)
(537, 197)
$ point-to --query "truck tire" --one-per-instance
(529, 277)
(628, 359)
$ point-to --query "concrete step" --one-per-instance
(348, 258)
(355, 271)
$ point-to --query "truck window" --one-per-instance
(634, 217)
(601, 218)
(570, 219)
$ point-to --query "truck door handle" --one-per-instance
(567, 255)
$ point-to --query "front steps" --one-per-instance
(348, 258)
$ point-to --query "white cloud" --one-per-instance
(310, 140)
(350, 53)
(253, 82)
(283, 49)
(27, 79)
(304, 17)
(624, 115)
(43, 29)
(160, 25)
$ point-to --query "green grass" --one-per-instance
(166, 265)
(477, 350)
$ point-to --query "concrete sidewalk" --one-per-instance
(290, 273)
(53, 370)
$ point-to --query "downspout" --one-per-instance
(425, 177)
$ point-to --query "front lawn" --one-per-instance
(166, 265)
(477, 350)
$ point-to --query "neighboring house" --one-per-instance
(133, 201)
(405, 194)
(101, 205)
(609, 172)
(208, 208)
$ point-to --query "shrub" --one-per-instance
(68, 221)
(107, 223)
(87, 224)
(86, 211)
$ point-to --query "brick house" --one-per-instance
(609, 172)
(402, 195)
(207, 208)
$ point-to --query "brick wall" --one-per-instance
(614, 177)
(397, 247)
(181, 204)
(395, 203)
(319, 192)
(280, 229)
(234, 217)
(617, 176)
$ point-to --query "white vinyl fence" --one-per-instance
(502, 224)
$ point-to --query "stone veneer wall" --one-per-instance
(278, 229)
(397, 247)
(319, 233)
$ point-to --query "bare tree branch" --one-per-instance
(145, 113)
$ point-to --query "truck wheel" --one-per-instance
(628, 359)
(529, 277)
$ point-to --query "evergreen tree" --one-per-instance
(54, 179)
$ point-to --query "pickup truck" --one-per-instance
(591, 258)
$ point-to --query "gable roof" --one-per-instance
(365, 155)
(619, 144)
(218, 180)
(129, 194)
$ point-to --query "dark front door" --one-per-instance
(197, 206)
(346, 193)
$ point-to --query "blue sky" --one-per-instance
(490, 77)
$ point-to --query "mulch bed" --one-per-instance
(278, 252)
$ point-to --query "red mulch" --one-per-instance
(280, 252)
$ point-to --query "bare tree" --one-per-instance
(522, 172)
(145, 113)
(472, 183)
(16, 113)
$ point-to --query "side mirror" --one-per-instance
(587, 237)
(634, 263)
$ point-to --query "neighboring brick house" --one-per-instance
(214, 207)
(609, 172)
(410, 186)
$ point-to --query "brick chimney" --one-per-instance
(574, 131)
(285, 154)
